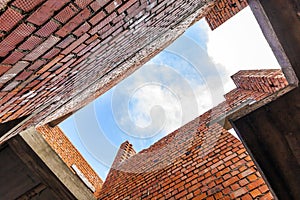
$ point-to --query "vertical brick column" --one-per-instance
(69, 154)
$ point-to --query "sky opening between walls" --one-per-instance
(176, 86)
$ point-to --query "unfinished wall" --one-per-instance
(224, 10)
(200, 160)
(69, 154)
(56, 56)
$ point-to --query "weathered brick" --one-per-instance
(52, 53)
(45, 12)
(74, 22)
(42, 48)
(126, 6)
(14, 38)
(82, 29)
(4, 68)
(23, 75)
(113, 5)
(75, 44)
(9, 19)
(14, 57)
(30, 43)
(13, 71)
(26, 5)
(67, 41)
(37, 64)
(49, 28)
(67, 13)
(84, 3)
(96, 5)
(97, 18)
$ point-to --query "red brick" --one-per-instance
(75, 44)
(9, 19)
(45, 12)
(96, 5)
(13, 39)
(97, 18)
(14, 57)
(66, 42)
(52, 53)
(26, 5)
(252, 177)
(47, 29)
(238, 193)
(23, 75)
(246, 197)
(42, 48)
(79, 48)
(102, 24)
(126, 6)
(84, 3)
(82, 29)
(74, 22)
(37, 64)
(30, 43)
(4, 68)
(255, 193)
(67, 13)
(113, 5)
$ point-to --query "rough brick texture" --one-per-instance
(70, 52)
(69, 154)
(200, 160)
(224, 10)
(194, 162)
(260, 80)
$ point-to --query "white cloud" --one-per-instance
(239, 44)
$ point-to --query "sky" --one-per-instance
(179, 84)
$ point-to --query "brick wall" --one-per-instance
(268, 81)
(70, 155)
(56, 56)
(200, 160)
(223, 10)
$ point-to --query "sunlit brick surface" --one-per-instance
(224, 10)
(200, 160)
(56, 56)
(69, 154)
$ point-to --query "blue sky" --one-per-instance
(179, 84)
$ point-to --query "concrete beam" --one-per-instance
(47, 164)
(271, 135)
(279, 21)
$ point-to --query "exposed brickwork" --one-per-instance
(224, 10)
(197, 162)
(200, 160)
(73, 51)
(69, 154)
(260, 80)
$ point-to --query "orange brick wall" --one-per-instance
(69, 154)
(268, 81)
(58, 55)
(199, 160)
(197, 163)
(223, 10)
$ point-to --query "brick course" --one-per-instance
(119, 36)
(200, 160)
(69, 154)
(223, 10)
